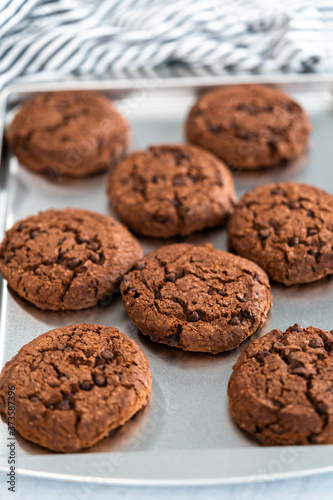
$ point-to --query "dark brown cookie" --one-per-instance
(281, 389)
(75, 384)
(249, 126)
(287, 228)
(171, 190)
(68, 133)
(196, 298)
(67, 259)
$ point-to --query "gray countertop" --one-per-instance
(28, 488)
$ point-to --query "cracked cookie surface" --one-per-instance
(73, 385)
(171, 190)
(287, 228)
(196, 298)
(67, 259)
(68, 133)
(249, 126)
(281, 389)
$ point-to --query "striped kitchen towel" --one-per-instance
(56, 39)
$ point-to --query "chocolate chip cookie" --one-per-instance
(75, 384)
(196, 298)
(281, 389)
(171, 190)
(249, 126)
(73, 134)
(67, 259)
(287, 228)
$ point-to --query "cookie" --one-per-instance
(196, 298)
(73, 385)
(67, 259)
(71, 134)
(249, 126)
(287, 228)
(171, 190)
(281, 389)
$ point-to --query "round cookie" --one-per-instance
(281, 389)
(171, 190)
(68, 133)
(287, 228)
(196, 298)
(75, 384)
(249, 126)
(67, 259)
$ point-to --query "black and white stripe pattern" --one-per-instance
(55, 39)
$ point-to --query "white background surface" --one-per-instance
(315, 487)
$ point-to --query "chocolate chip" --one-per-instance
(178, 181)
(268, 107)
(300, 370)
(95, 258)
(8, 257)
(82, 239)
(34, 233)
(34, 399)
(100, 367)
(288, 106)
(68, 349)
(247, 108)
(93, 245)
(246, 313)
(276, 428)
(105, 301)
(172, 340)
(193, 317)
(296, 328)
(139, 188)
(157, 179)
(316, 343)
(278, 191)
(73, 263)
(21, 227)
(171, 277)
(273, 146)
(133, 292)
(214, 129)
(61, 255)
(311, 231)
(321, 408)
(158, 295)
(161, 219)
(245, 135)
(235, 321)
(99, 380)
(241, 297)
(180, 157)
(85, 385)
(262, 355)
(63, 405)
(107, 354)
(293, 241)
(293, 205)
(264, 233)
(155, 338)
(222, 293)
(139, 266)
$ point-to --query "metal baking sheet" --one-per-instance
(185, 435)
